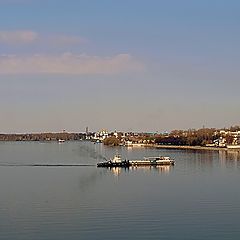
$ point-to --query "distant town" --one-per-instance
(204, 137)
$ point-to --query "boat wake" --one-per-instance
(45, 165)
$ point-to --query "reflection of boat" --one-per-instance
(157, 168)
(147, 161)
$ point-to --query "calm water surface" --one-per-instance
(198, 198)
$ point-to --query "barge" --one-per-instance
(152, 161)
(147, 161)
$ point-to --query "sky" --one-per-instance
(129, 65)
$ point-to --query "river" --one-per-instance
(198, 198)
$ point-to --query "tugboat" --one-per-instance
(115, 162)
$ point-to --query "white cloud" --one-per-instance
(28, 36)
(68, 63)
(16, 37)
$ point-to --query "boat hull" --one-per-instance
(126, 163)
(123, 164)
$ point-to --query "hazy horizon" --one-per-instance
(119, 65)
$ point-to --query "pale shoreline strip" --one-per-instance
(189, 147)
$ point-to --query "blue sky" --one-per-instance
(125, 65)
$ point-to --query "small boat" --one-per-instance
(97, 141)
(61, 140)
(147, 161)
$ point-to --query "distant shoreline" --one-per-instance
(182, 147)
(190, 147)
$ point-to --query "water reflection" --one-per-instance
(230, 159)
(117, 171)
(195, 161)
(199, 192)
(207, 160)
(229, 155)
(159, 169)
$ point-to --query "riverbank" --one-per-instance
(189, 147)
